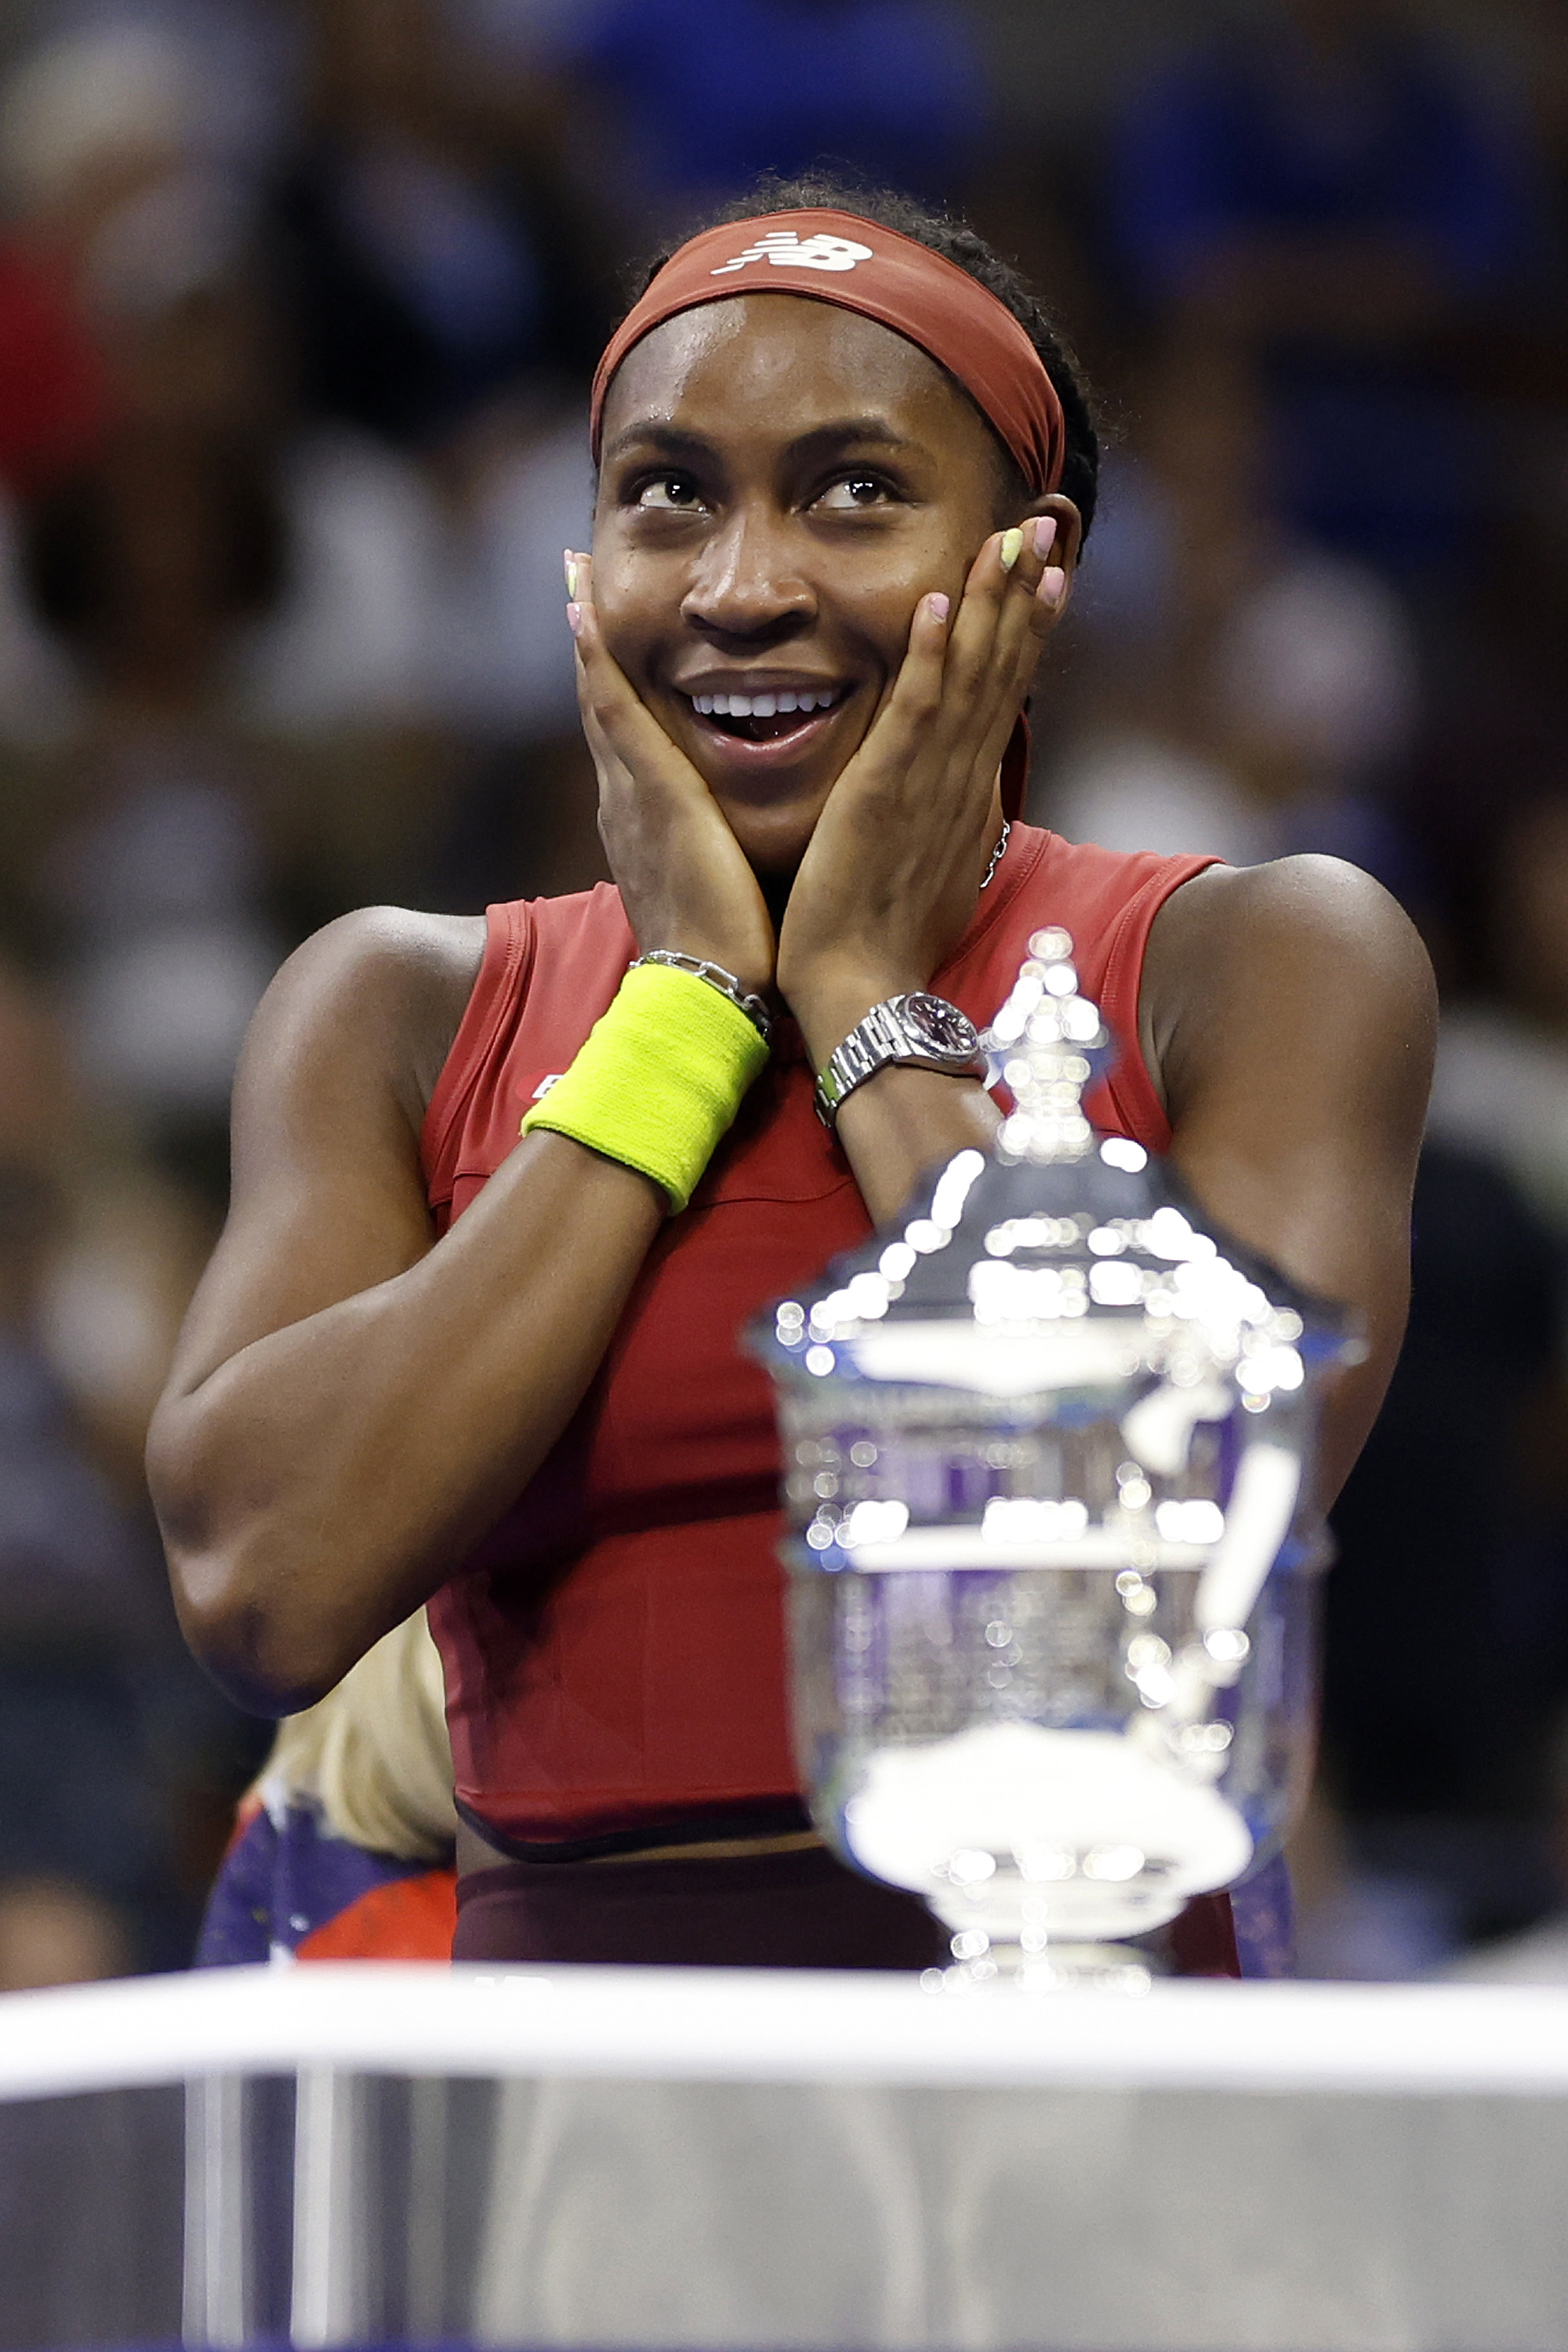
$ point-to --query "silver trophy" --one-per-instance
(1053, 1558)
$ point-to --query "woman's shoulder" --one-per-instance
(382, 954)
(1305, 909)
(1306, 947)
(388, 983)
(415, 961)
(395, 990)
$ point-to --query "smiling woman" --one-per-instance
(507, 1189)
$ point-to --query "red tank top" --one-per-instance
(615, 1648)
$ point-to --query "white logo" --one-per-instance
(543, 1088)
(787, 251)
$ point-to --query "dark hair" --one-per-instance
(956, 241)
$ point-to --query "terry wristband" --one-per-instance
(659, 1079)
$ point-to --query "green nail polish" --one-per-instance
(1012, 547)
(571, 577)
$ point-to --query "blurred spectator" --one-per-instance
(54, 394)
(119, 206)
(1539, 1955)
(1235, 691)
(701, 97)
(86, 127)
(350, 646)
(1329, 188)
(87, 1841)
(1493, 751)
(430, 265)
(344, 1847)
(1501, 1083)
(153, 879)
(1447, 1609)
(53, 1932)
(445, 278)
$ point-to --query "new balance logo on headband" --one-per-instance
(785, 250)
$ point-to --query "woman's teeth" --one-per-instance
(762, 706)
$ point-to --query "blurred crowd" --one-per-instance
(299, 300)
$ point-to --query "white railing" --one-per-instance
(670, 2157)
(745, 2025)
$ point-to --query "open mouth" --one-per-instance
(767, 717)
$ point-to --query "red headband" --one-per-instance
(838, 257)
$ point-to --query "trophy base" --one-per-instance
(1057, 1968)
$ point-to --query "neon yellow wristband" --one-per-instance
(658, 1079)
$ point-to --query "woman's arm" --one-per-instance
(353, 1403)
(1289, 1012)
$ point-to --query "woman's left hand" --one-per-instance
(889, 882)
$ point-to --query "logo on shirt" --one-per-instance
(785, 250)
(551, 1079)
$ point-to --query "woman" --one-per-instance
(845, 475)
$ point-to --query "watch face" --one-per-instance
(947, 1030)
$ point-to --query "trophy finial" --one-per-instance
(1047, 1045)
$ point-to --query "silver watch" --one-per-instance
(924, 1032)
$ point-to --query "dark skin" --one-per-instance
(353, 1403)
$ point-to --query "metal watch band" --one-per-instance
(884, 1036)
(756, 1011)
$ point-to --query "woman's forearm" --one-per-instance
(319, 1483)
(905, 1121)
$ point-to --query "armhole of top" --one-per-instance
(508, 937)
(1131, 1085)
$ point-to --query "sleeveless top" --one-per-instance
(615, 1647)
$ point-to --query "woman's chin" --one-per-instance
(775, 839)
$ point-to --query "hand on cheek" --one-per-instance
(890, 881)
(683, 876)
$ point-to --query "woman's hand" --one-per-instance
(682, 875)
(889, 885)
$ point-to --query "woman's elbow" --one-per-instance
(249, 1645)
(233, 1612)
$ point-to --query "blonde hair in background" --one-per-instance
(373, 1754)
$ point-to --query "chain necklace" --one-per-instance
(997, 853)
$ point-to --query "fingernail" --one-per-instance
(1011, 548)
(1053, 585)
(574, 618)
(571, 563)
(939, 607)
(1044, 534)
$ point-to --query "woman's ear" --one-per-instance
(1068, 539)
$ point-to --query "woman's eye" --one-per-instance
(855, 491)
(668, 493)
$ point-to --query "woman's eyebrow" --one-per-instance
(674, 442)
(660, 441)
(848, 433)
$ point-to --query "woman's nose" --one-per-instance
(748, 581)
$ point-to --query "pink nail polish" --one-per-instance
(939, 607)
(574, 618)
(1044, 534)
(1053, 585)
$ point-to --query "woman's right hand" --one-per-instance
(682, 875)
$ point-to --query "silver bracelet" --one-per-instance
(756, 1011)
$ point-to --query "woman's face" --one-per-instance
(782, 481)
